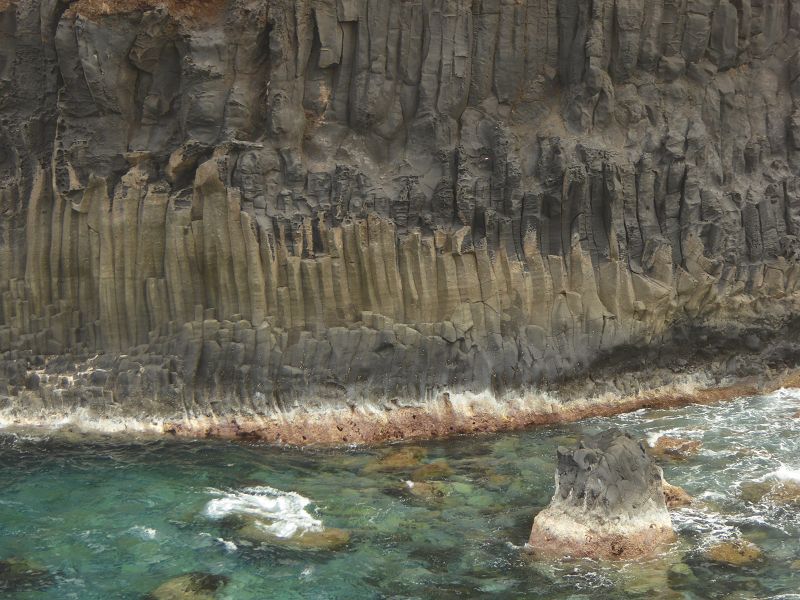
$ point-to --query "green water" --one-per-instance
(114, 519)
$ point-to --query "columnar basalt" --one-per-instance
(608, 504)
(235, 207)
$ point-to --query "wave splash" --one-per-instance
(784, 473)
(282, 514)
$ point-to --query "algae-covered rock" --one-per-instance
(755, 491)
(328, 538)
(191, 586)
(735, 553)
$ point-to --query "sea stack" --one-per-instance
(608, 502)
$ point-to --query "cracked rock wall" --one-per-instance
(239, 205)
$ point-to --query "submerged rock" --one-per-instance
(776, 492)
(438, 469)
(20, 575)
(429, 491)
(608, 502)
(328, 538)
(755, 491)
(676, 448)
(404, 459)
(650, 579)
(266, 515)
(191, 586)
(680, 572)
(675, 496)
(736, 553)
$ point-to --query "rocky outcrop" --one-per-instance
(608, 503)
(232, 208)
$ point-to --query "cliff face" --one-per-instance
(230, 205)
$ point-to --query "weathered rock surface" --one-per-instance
(237, 207)
(608, 504)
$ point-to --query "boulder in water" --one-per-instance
(328, 538)
(736, 553)
(676, 448)
(191, 586)
(608, 504)
(675, 496)
(785, 492)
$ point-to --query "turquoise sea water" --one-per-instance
(115, 519)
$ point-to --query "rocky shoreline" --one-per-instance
(311, 421)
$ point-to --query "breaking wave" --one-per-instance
(282, 514)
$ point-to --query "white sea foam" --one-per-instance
(145, 533)
(282, 514)
(712, 526)
(785, 473)
(229, 545)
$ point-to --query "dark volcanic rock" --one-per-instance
(608, 502)
(238, 207)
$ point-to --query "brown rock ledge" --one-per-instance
(447, 415)
(440, 418)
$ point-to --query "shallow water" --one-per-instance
(112, 519)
